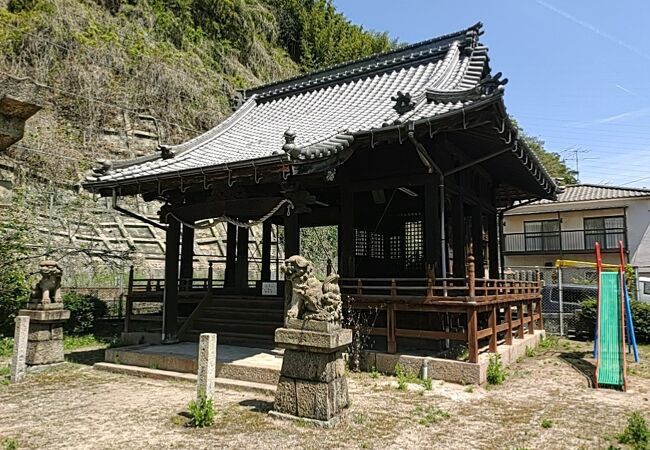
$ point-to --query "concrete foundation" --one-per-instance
(447, 369)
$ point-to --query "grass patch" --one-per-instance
(496, 373)
(6, 346)
(374, 373)
(10, 444)
(547, 423)
(530, 351)
(405, 378)
(431, 415)
(636, 433)
(549, 343)
(4, 375)
(201, 412)
(469, 388)
(82, 341)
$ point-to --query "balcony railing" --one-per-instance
(563, 241)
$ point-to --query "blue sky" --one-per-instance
(579, 70)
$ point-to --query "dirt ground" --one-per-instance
(74, 406)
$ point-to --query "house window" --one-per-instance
(395, 247)
(542, 235)
(360, 243)
(605, 230)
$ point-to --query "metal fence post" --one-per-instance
(560, 299)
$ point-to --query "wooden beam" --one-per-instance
(472, 334)
(170, 295)
(477, 240)
(390, 326)
(493, 326)
(493, 246)
(432, 256)
(346, 234)
(231, 256)
(187, 253)
(266, 251)
(459, 238)
(242, 258)
(291, 235)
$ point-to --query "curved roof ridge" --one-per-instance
(369, 63)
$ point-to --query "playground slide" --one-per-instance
(611, 347)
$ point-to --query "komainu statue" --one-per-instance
(48, 288)
(311, 299)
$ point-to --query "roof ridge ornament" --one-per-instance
(290, 146)
(166, 151)
(492, 84)
(403, 102)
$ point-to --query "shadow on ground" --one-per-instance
(577, 360)
(87, 357)
(261, 406)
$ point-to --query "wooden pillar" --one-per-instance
(391, 342)
(531, 313)
(346, 234)
(493, 246)
(493, 327)
(291, 235)
(170, 298)
(458, 230)
(472, 334)
(477, 240)
(231, 256)
(187, 256)
(432, 255)
(508, 320)
(241, 271)
(520, 316)
(266, 251)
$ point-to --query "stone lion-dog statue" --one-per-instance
(48, 288)
(310, 299)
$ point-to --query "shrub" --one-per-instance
(586, 319)
(201, 412)
(6, 346)
(636, 433)
(85, 311)
(14, 292)
(496, 374)
(547, 423)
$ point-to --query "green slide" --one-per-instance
(610, 331)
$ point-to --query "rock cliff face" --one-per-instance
(116, 78)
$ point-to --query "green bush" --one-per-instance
(586, 319)
(636, 433)
(85, 311)
(496, 373)
(201, 412)
(14, 292)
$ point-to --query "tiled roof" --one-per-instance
(319, 114)
(590, 192)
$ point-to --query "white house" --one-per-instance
(541, 232)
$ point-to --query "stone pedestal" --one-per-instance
(45, 340)
(312, 384)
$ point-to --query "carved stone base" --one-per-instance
(312, 380)
(45, 341)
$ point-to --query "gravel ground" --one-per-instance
(74, 406)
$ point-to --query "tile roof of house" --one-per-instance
(591, 192)
(319, 114)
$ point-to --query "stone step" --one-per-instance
(220, 325)
(242, 339)
(246, 303)
(220, 382)
(266, 312)
(230, 316)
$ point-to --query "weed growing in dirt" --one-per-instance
(530, 351)
(10, 444)
(405, 378)
(201, 412)
(431, 415)
(153, 366)
(547, 423)
(6, 346)
(359, 418)
(74, 342)
(374, 373)
(636, 433)
(469, 388)
(4, 375)
(496, 373)
(549, 342)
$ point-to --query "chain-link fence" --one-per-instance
(564, 289)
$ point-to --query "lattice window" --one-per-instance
(376, 245)
(395, 247)
(360, 243)
(413, 248)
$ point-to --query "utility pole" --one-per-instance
(577, 151)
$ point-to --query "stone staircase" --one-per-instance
(238, 320)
